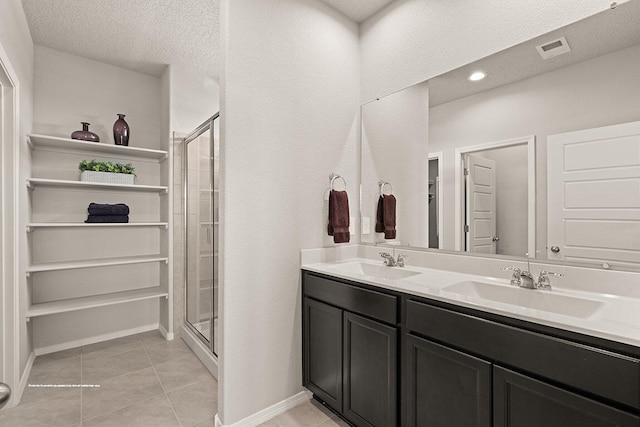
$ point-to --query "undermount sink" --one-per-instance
(528, 298)
(373, 270)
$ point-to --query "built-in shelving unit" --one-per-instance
(37, 182)
(83, 303)
(104, 262)
(60, 272)
(42, 141)
(35, 225)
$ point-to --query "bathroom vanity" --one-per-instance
(382, 346)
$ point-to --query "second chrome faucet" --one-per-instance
(391, 262)
(524, 279)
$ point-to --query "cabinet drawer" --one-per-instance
(357, 300)
(610, 375)
(520, 401)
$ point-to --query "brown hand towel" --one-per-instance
(339, 216)
(389, 214)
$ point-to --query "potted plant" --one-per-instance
(106, 172)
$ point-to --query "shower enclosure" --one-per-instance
(201, 199)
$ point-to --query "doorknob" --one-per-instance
(5, 394)
(555, 249)
(495, 238)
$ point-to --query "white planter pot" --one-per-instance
(107, 177)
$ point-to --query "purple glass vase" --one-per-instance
(121, 131)
(84, 134)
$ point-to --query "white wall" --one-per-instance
(194, 98)
(70, 89)
(289, 118)
(15, 41)
(413, 40)
(598, 92)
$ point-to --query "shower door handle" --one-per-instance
(5, 394)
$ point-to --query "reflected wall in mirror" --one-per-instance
(573, 194)
(395, 162)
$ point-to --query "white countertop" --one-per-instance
(612, 317)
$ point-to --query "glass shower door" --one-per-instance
(201, 215)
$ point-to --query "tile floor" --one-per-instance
(308, 414)
(144, 381)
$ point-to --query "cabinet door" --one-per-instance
(322, 358)
(370, 372)
(521, 401)
(444, 387)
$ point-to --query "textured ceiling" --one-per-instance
(146, 35)
(142, 35)
(358, 10)
(603, 33)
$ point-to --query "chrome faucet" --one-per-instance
(524, 279)
(389, 261)
(400, 260)
(543, 279)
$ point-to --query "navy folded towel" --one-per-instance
(106, 209)
(107, 218)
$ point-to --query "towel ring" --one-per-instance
(382, 184)
(335, 176)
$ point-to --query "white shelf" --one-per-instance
(42, 182)
(73, 304)
(40, 141)
(35, 225)
(105, 262)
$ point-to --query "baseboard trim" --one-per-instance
(270, 412)
(92, 340)
(167, 335)
(17, 394)
(203, 353)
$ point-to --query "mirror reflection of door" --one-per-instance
(480, 182)
(496, 200)
(594, 207)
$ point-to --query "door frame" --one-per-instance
(439, 156)
(531, 187)
(209, 125)
(9, 219)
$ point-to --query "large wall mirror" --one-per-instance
(539, 157)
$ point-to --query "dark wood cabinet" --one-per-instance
(350, 350)
(381, 358)
(444, 387)
(521, 401)
(370, 378)
(323, 351)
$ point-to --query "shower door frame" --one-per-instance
(206, 125)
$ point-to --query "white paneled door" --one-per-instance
(594, 194)
(481, 204)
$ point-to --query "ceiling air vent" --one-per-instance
(553, 48)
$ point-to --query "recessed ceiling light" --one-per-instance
(478, 75)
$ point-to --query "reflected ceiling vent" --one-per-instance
(553, 48)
